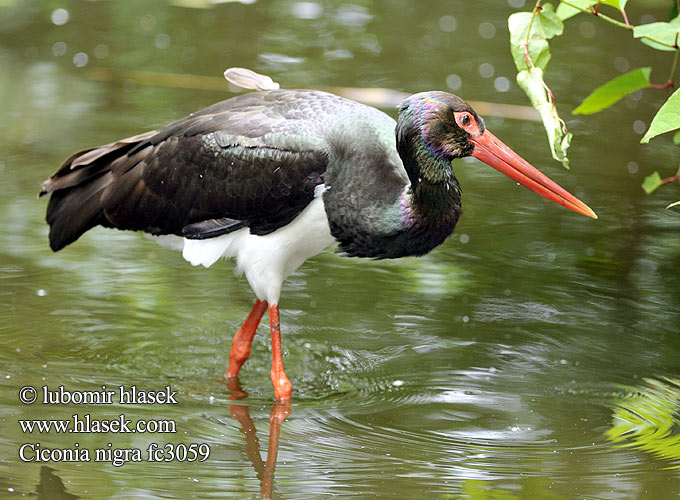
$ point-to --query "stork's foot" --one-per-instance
(282, 386)
(240, 346)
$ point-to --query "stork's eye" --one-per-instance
(467, 122)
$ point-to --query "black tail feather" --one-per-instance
(73, 211)
(77, 188)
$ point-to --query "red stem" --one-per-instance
(662, 86)
(668, 180)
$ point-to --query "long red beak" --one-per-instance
(493, 152)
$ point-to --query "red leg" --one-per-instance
(240, 346)
(282, 386)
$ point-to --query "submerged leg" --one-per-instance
(240, 346)
(282, 386)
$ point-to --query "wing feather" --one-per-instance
(251, 159)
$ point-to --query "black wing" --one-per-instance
(253, 160)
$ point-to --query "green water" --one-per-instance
(492, 368)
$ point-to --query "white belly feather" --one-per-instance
(266, 260)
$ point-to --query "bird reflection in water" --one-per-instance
(280, 411)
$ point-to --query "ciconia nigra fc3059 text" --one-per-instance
(273, 177)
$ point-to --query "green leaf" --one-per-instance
(676, 138)
(551, 24)
(666, 119)
(651, 183)
(617, 4)
(531, 81)
(613, 91)
(667, 33)
(565, 11)
(544, 26)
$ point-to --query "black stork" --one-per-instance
(273, 177)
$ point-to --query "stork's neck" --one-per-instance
(431, 204)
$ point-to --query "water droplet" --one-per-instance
(80, 59)
(339, 54)
(59, 16)
(621, 64)
(59, 49)
(162, 41)
(465, 319)
(464, 238)
(454, 81)
(639, 126)
(587, 29)
(307, 10)
(370, 42)
(487, 30)
(448, 23)
(147, 22)
(517, 4)
(353, 15)
(486, 70)
(398, 383)
(41, 292)
(501, 84)
(101, 51)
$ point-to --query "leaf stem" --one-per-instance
(671, 77)
(668, 180)
(527, 57)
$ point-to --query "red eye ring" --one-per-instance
(464, 119)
